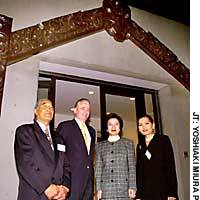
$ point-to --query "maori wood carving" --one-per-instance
(114, 17)
(54, 32)
(5, 31)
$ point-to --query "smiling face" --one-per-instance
(113, 126)
(44, 111)
(145, 126)
(82, 110)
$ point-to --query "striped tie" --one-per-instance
(49, 137)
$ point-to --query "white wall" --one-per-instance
(174, 104)
(17, 108)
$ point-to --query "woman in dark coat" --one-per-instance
(155, 166)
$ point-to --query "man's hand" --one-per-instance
(62, 194)
(51, 191)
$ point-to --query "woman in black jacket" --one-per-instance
(155, 167)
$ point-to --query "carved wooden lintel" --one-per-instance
(5, 31)
(32, 40)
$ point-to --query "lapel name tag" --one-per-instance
(61, 147)
(148, 154)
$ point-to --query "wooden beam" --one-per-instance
(5, 32)
(54, 32)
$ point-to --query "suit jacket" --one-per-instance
(115, 168)
(37, 164)
(81, 164)
(156, 175)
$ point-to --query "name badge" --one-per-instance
(148, 154)
(61, 147)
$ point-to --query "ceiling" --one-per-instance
(178, 10)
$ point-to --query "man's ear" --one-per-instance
(75, 110)
(35, 111)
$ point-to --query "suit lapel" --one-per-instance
(42, 140)
(56, 140)
(92, 139)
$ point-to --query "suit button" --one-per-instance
(37, 169)
(88, 167)
(112, 170)
(112, 143)
(112, 161)
(111, 151)
(112, 181)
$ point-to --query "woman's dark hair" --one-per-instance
(115, 116)
(147, 116)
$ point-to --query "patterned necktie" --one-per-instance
(49, 137)
(86, 139)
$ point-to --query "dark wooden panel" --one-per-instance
(5, 32)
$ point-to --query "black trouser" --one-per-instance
(88, 195)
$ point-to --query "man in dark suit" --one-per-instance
(40, 158)
(79, 139)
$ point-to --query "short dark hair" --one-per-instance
(81, 99)
(115, 116)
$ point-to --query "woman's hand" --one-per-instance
(131, 193)
(99, 194)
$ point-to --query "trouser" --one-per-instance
(88, 195)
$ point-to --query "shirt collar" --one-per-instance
(113, 138)
(42, 126)
(79, 121)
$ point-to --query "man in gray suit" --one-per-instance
(40, 158)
